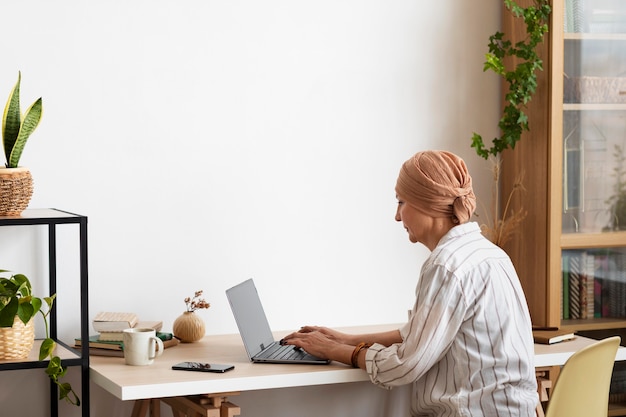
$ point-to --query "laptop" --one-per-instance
(255, 329)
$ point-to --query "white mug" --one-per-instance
(140, 346)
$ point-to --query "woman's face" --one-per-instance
(415, 222)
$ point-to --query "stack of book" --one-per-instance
(110, 327)
(98, 347)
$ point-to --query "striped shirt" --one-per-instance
(468, 348)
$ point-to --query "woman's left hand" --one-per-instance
(313, 340)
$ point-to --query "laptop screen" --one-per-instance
(250, 317)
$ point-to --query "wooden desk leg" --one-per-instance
(208, 405)
(190, 407)
(155, 407)
(140, 408)
(545, 378)
(228, 409)
(145, 407)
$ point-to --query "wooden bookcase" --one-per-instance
(568, 162)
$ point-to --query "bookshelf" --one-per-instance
(577, 122)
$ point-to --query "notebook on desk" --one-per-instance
(255, 330)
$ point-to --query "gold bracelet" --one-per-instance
(355, 353)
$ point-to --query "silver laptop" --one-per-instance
(255, 329)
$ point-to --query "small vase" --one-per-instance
(188, 327)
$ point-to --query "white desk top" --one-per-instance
(159, 380)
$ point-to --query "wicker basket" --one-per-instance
(604, 90)
(16, 342)
(16, 189)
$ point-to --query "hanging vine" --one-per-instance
(521, 80)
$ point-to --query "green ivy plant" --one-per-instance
(17, 128)
(17, 300)
(521, 80)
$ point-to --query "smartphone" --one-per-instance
(203, 367)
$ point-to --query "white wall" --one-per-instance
(213, 141)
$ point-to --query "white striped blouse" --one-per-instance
(468, 346)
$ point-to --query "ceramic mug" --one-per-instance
(140, 346)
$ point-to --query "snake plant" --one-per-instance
(17, 128)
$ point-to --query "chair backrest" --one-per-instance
(582, 388)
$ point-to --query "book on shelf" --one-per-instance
(549, 337)
(593, 284)
(114, 322)
(119, 336)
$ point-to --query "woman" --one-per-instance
(467, 347)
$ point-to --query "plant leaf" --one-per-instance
(36, 303)
(25, 311)
(11, 119)
(65, 389)
(46, 349)
(8, 312)
(23, 285)
(28, 126)
(50, 301)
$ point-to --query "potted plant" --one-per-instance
(517, 64)
(16, 182)
(18, 307)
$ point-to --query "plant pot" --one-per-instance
(188, 327)
(16, 189)
(16, 342)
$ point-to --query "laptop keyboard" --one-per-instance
(283, 352)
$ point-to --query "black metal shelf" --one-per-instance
(69, 356)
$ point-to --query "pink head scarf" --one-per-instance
(438, 184)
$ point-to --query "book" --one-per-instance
(94, 351)
(114, 322)
(574, 286)
(565, 292)
(549, 337)
(95, 342)
(119, 336)
(105, 352)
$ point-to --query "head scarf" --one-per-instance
(438, 184)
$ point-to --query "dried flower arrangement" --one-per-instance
(500, 229)
(195, 303)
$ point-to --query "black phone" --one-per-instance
(203, 367)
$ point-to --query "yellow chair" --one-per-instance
(582, 387)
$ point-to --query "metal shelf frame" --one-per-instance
(53, 218)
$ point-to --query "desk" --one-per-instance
(158, 380)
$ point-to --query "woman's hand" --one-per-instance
(313, 341)
(322, 342)
(331, 334)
